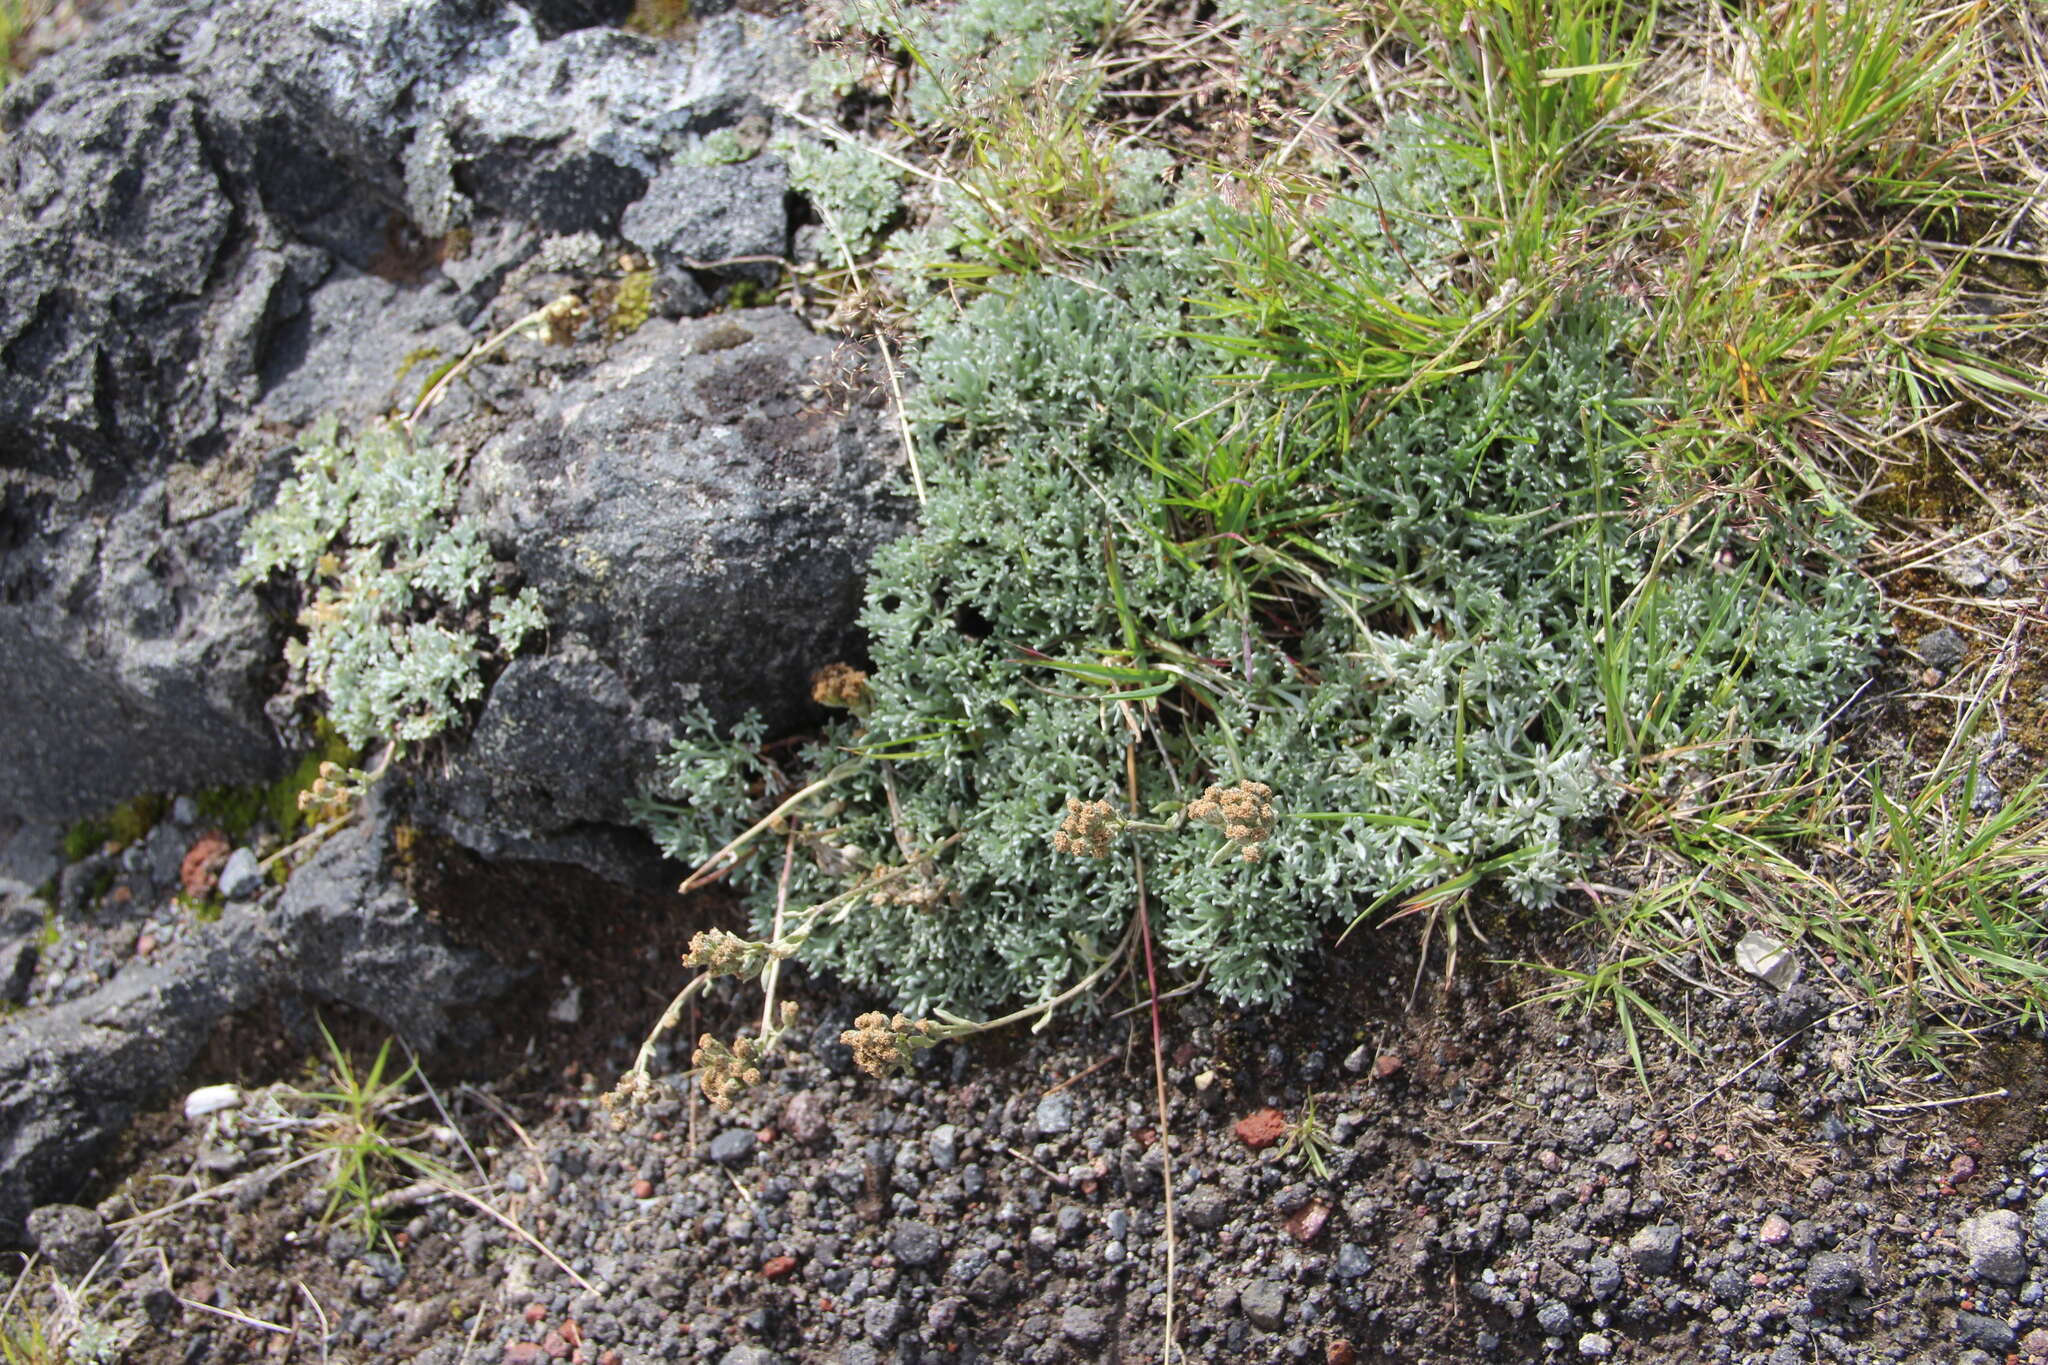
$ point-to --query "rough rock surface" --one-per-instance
(219, 220)
(72, 1074)
(695, 510)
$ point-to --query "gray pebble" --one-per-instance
(1264, 1304)
(915, 1244)
(1942, 649)
(1595, 1346)
(1353, 1262)
(1616, 1157)
(882, 1319)
(70, 1237)
(1206, 1210)
(1996, 1245)
(1832, 1279)
(1986, 1333)
(241, 879)
(944, 1145)
(1655, 1249)
(1556, 1319)
(1084, 1326)
(733, 1146)
(1054, 1114)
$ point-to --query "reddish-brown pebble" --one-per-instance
(1341, 1352)
(556, 1345)
(775, 1267)
(643, 1189)
(1385, 1065)
(145, 945)
(523, 1353)
(1963, 1167)
(609, 1358)
(1262, 1128)
(1306, 1223)
(536, 1311)
(571, 1333)
(1775, 1230)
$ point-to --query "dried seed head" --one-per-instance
(723, 1072)
(883, 1046)
(634, 1091)
(716, 952)
(1088, 830)
(840, 685)
(565, 318)
(1244, 812)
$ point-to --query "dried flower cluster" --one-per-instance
(1089, 829)
(716, 952)
(635, 1090)
(883, 1046)
(564, 318)
(724, 1072)
(332, 794)
(1243, 812)
(840, 685)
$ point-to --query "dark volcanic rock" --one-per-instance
(711, 213)
(697, 512)
(220, 220)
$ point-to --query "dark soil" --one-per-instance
(1499, 1186)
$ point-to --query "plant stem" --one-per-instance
(712, 865)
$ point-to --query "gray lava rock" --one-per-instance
(1353, 1262)
(916, 1244)
(72, 1075)
(1792, 1010)
(943, 1142)
(219, 218)
(1996, 1245)
(706, 214)
(1556, 1319)
(1832, 1279)
(1655, 1249)
(697, 531)
(1603, 1278)
(1986, 1333)
(1594, 1346)
(241, 879)
(69, 1237)
(1265, 1304)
